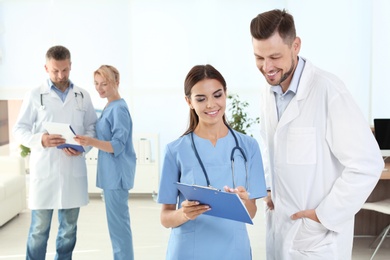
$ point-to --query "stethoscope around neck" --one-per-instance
(237, 147)
(42, 107)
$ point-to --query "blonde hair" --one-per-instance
(110, 73)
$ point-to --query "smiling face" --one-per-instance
(105, 88)
(208, 99)
(276, 59)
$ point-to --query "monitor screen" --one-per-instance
(382, 133)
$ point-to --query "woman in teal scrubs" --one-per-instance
(116, 160)
(195, 235)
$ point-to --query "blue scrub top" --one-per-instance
(116, 170)
(209, 237)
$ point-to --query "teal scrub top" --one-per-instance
(116, 170)
(209, 237)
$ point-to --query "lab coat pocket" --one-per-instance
(41, 164)
(78, 121)
(301, 145)
(79, 165)
(312, 236)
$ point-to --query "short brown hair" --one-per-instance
(268, 23)
(58, 52)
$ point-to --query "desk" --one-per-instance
(368, 222)
(386, 173)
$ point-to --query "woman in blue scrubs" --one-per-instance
(116, 160)
(195, 235)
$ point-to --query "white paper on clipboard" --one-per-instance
(66, 131)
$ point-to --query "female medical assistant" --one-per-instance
(116, 170)
(208, 237)
(115, 174)
(208, 143)
(116, 160)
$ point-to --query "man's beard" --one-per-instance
(63, 84)
(288, 73)
(285, 75)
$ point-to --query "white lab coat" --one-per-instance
(320, 155)
(57, 181)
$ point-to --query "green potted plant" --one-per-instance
(25, 153)
(239, 120)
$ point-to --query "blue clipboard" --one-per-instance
(67, 132)
(73, 146)
(223, 204)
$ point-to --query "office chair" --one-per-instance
(382, 206)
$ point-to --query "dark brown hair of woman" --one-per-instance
(196, 74)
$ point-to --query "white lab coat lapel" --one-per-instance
(45, 88)
(48, 96)
(69, 97)
(291, 112)
(271, 117)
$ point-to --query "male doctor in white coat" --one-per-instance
(58, 177)
(320, 155)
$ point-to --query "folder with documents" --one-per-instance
(223, 204)
(67, 133)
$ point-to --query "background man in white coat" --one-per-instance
(320, 155)
(58, 177)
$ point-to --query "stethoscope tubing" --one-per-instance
(237, 147)
(75, 95)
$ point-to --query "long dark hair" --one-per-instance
(196, 74)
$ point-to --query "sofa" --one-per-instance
(12, 187)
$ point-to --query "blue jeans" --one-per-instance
(40, 229)
(118, 219)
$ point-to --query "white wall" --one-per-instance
(335, 36)
(96, 32)
(154, 43)
(380, 57)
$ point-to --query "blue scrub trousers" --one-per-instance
(118, 219)
(40, 229)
